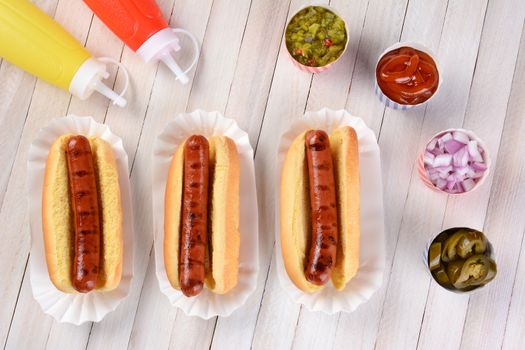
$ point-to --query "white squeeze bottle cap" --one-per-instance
(88, 79)
(161, 46)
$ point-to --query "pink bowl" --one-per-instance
(423, 173)
(310, 69)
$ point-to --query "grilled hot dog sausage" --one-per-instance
(323, 247)
(194, 215)
(84, 198)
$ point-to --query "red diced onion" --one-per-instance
(461, 137)
(479, 166)
(431, 171)
(461, 170)
(444, 169)
(453, 162)
(478, 174)
(459, 177)
(436, 151)
(473, 151)
(442, 160)
(470, 172)
(433, 177)
(428, 158)
(432, 144)
(441, 183)
(461, 158)
(453, 146)
(468, 184)
(443, 139)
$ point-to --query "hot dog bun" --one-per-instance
(295, 209)
(224, 238)
(57, 216)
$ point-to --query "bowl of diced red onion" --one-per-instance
(454, 161)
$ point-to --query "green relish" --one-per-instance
(316, 36)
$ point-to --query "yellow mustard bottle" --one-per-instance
(33, 41)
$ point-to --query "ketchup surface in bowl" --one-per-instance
(407, 76)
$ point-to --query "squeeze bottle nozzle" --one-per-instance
(169, 61)
(141, 25)
(112, 95)
(88, 79)
(33, 41)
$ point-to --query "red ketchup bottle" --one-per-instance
(140, 24)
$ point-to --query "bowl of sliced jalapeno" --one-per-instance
(460, 259)
(316, 37)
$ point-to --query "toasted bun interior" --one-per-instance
(296, 226)
(57, 216)
(345, 154)
(172, 216)
(295, 214)
(224, 236)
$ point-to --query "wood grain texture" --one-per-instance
(245, 72)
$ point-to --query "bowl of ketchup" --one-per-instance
(407, 76)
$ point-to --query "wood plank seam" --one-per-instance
(68, 107)
(400, 36)
(140, 296)
(16, 303)
(226, 106)
(513, 285)
(267, 98)
(477, 57)
(238, 51)
(132, 162)
(491, 196)
(198, 61)
(412, 177)
(428, 288)
(358, 47)
(28, 254)
(386, 278)
(273, 249)
(52, 15)
(12, 164)
(399, 39)
(497, 157)
(117, 73)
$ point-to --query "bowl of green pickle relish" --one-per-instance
(316, 37)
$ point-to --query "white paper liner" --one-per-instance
(372, 255)
(208, 304)
(81, 307)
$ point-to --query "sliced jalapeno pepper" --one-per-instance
(441, 277)
(473, 242)
(476, 271)
(434, 256)
(463, 244)
(454, 270)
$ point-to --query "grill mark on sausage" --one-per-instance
(84, 198)
(323, 247)
(81, 173)
(194, 215)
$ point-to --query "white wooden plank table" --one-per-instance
(245, 73)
